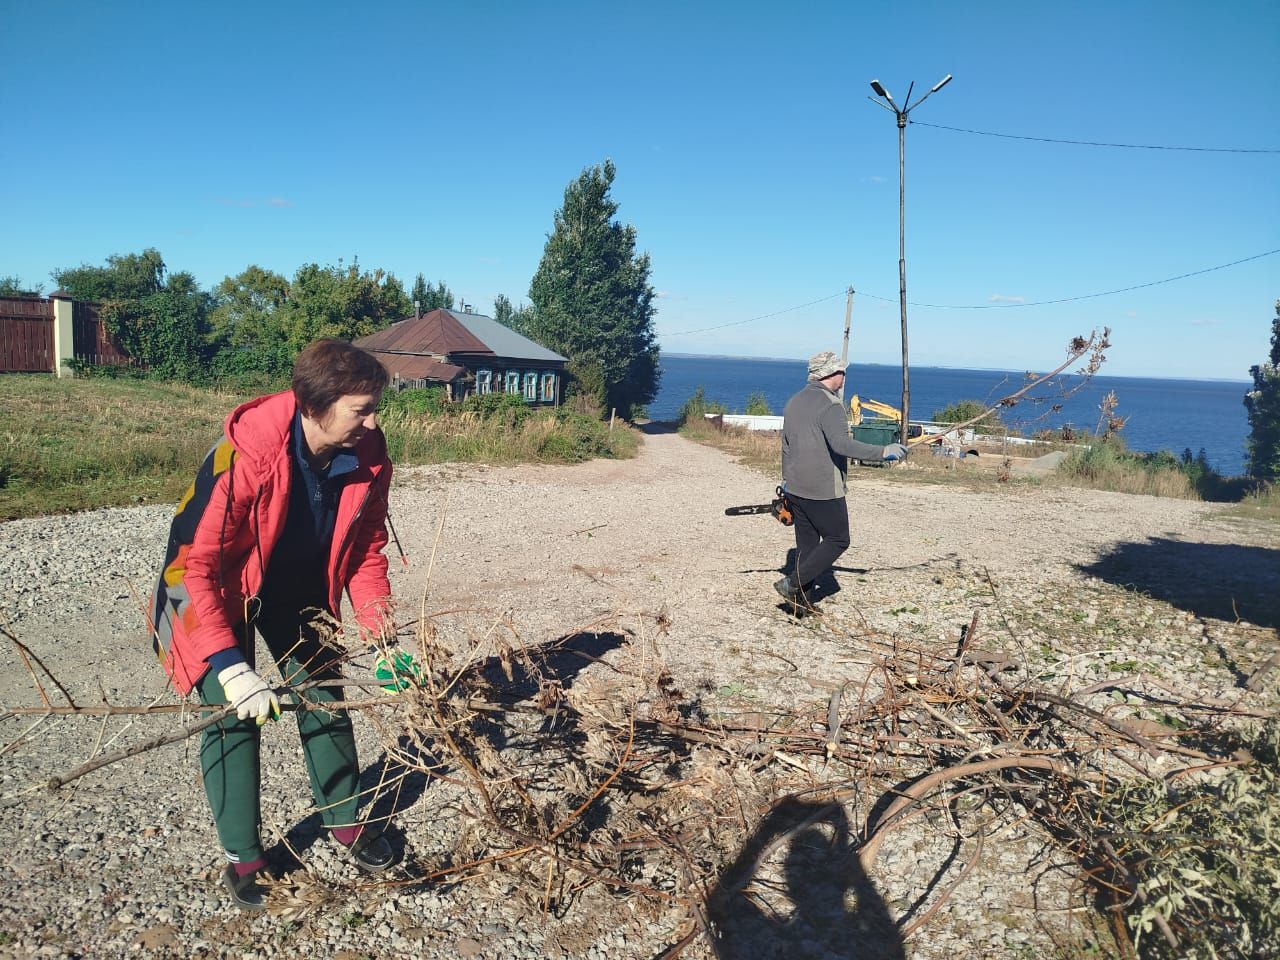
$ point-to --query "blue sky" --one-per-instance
(439, 137)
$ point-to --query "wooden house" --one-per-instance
(467, 353)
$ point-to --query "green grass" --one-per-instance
(80, 444)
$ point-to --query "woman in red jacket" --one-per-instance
(285, 514)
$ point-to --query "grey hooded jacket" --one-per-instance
(816, 445)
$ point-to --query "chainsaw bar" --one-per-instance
(780, 509)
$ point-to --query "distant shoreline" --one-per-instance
(923, 366)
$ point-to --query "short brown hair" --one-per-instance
(329, 369)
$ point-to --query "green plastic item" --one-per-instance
(880, 435)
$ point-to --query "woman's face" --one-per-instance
(347, 421)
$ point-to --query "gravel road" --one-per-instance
(123, 862)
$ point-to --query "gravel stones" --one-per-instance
(124, 861)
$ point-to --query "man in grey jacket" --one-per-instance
(816, 447)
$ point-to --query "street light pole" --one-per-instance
(901, 113)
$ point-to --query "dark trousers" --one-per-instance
(822, 534)
(229, 753)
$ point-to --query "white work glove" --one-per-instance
(249, 693)
(894, 451)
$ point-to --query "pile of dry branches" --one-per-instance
(581, 776)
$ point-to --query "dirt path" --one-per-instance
(564, 544)
(1076, 582)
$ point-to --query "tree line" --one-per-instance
(591, 300)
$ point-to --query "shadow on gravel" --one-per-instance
(558, 661)
(395, 787)
(797, 890)
(654, 427)
(1221, 581)
(555, 663)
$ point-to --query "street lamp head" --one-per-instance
(941, 83)
(880, 90)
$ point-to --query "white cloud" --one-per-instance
(1002, 298)
(279, 202)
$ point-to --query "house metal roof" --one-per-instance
(435, 334)
(445, 334)
(503, 341)
(413, 367)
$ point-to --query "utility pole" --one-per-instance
(844, 350)
(901, 114)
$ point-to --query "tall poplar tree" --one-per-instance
(1263, 404)
(431, 296)
(592, 300)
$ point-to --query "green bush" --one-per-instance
(1263, 405)
(244, 363)
(964, 410)
(698, 406)
(418, 401)
(758, 406)
(510, 407)
(1207, 858)
(1106, 464)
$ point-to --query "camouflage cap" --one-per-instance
(823, 365)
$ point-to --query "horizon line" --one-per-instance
(931, 366)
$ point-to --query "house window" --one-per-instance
(498, 381)
(531, 386)
(549, 387)
(483, 383)
(513, 381)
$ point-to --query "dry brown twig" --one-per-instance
(601, 788)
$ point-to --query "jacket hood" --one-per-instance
(259, 430)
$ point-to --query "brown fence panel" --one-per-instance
(92, 344)
(26, 335)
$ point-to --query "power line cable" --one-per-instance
(1085, 296)
(763, 316)
(1089, 143)
(981, 306)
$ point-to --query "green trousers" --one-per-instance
(230, 758)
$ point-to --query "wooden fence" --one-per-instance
(92, 344)
(27, 336)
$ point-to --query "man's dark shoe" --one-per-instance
(795, 596)
(372, 852)
(246, 892)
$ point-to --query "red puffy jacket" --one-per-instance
(227, 525)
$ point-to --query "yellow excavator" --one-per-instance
(885, 416)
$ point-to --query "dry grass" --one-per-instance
(541, 437)
(79, 444)
(756, 449)
(82, 444)
(1098, 468)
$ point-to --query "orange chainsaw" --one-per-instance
(779, 506)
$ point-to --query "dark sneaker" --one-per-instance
(246, 892)
(372, 852)
(785, 589)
